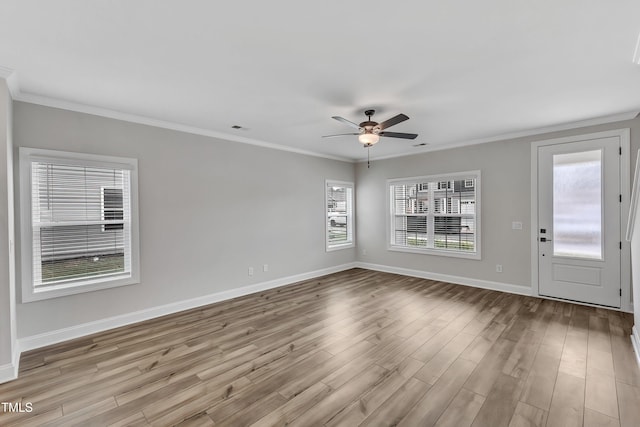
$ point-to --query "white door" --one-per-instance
(579, 237)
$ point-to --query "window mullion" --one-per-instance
(443, 209)
(430, 218)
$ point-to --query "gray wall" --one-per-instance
(209, 209)
(7, 298)
(506, 197)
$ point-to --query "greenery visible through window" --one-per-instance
(437, 214)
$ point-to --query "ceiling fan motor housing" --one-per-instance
(369, 127)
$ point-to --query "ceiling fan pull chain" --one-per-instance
(368, 163)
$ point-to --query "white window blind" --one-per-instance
(80, 227)
(81, 222)
(437, 214)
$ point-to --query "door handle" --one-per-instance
(544, 239)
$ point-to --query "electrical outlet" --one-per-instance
(498, 268)
(250, 271)
(265, 267)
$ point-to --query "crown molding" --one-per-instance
(134, 118)
(629, 115)
(11, 78)
(17, 95)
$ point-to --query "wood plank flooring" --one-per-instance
(353, 348)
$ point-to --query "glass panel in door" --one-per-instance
(577, 204)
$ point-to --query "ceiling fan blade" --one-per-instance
(346, 122)
(399, 135)
(393, 121)
(340, 134)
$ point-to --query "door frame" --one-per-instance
(625, 189)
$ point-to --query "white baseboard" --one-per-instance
(476, 283)
(635, 341)
(60, 335)
(9, 371)
(627, 308)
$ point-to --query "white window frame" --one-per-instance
(468, 175)
(351, 232)
(26, 157)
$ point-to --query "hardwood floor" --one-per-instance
(353, 348)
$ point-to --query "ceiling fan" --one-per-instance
(369, 132)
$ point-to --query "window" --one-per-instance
(437, 215)
(444, 185)
(112, 209)
(80, 232)
(339, 207)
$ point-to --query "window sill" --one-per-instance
(340, 247)
(66, 289)
(436, 252)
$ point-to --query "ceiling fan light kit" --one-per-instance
(368, 138)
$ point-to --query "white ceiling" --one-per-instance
(463, 71)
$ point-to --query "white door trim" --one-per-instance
(625, 189)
